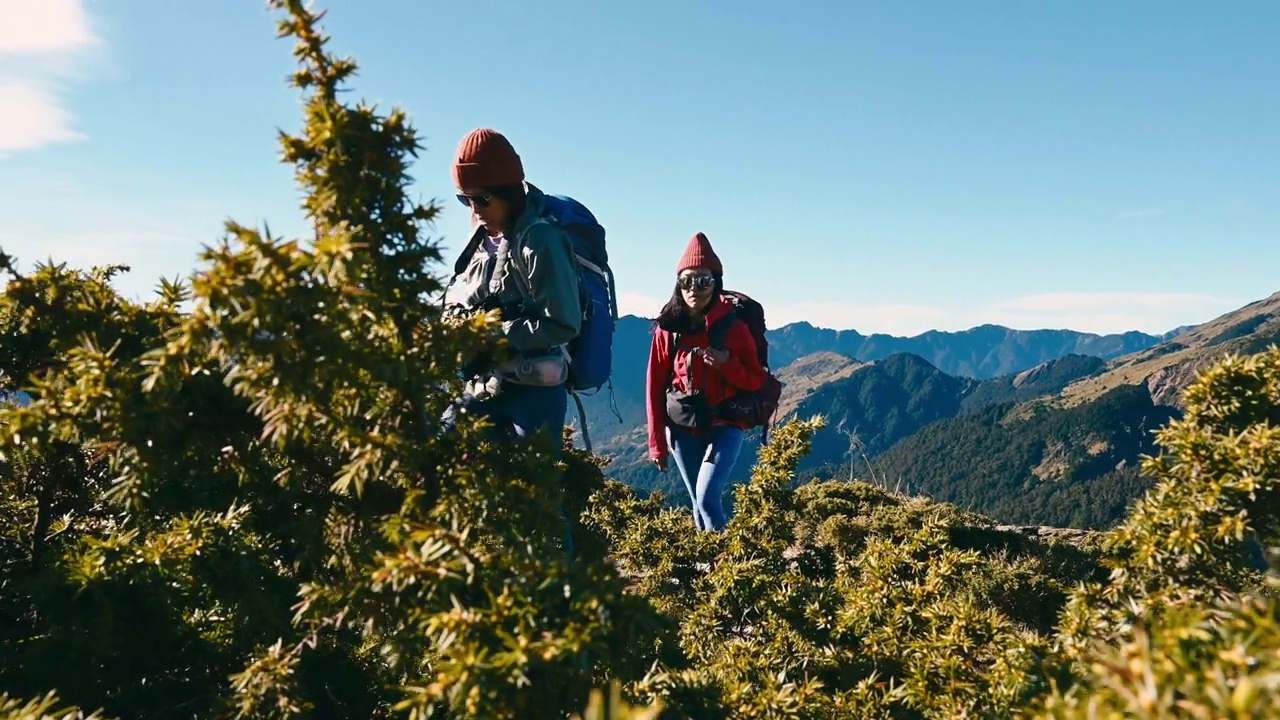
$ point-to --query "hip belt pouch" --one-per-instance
(546, 370)
(687, 409)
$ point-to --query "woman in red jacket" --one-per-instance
(688, 379)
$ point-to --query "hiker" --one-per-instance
(521, 264)
(689, 378)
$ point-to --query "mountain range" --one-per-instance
(982, 352)
(1071, 457)
(1030, 427)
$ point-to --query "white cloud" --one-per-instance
(149, 253)
(154, 242)
(1135, 214)
(40, 41)
(31, 116)
(1103, 301)
(1109, 312)
(639, 304)
(892, 318)
(29, 27)
(1102, 313)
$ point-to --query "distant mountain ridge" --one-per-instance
(1050, 442)
(1169, 367)
(982, 352)
(1066, 450)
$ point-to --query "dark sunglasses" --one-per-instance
(696, 282)
(480, 200)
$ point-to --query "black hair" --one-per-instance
(676, 317)
(514, 196)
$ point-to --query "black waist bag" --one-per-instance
(688, 409)
(753, 408)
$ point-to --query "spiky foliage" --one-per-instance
(839, 600)
(1220, 660)
(614, 707)
(1187, 542)
(45, 708)
(253, 508)
(1186, 622)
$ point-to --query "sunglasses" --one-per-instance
(696, 282)
(480, 200)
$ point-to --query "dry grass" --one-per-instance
(809, 372)
(1168, 368)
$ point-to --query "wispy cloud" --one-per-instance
(1095, 301)
(32, 116)
(47, 26)
(1135, 214)
(639, 304)
(150, 254)
(1109, 312)
(52, 216)
(892, 318)
(1102, 313)
(39, 43)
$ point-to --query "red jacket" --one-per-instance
(672, 364)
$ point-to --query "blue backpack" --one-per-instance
(591, 352)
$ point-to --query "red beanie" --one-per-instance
(700, 255)
(486, 159)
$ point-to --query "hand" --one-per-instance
(714, 357)
(661, 463)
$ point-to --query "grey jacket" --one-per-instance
(543, 247)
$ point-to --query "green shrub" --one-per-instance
(250, 508)
(835, 600)
(1186, 620)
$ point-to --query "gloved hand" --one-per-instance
(487, 359)
(483, 387)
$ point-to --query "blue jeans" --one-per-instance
(520, 411)
(705, 462)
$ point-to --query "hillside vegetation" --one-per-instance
(1067, 451)
(1057, 444)
(236, 501)
(1048, 378)
(1066, 467)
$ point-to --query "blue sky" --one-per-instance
(887, 167)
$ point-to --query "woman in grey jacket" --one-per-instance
(522, 263)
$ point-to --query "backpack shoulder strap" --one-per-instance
(719, 331)
(516, 258)
(464, 258)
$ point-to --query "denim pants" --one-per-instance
(705, 462)
(520, 411)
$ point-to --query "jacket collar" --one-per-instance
(535, 206)
(720, 308)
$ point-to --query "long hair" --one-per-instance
(676, 317)
(514, 196)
